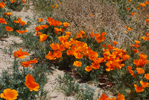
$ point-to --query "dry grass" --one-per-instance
(77, 13)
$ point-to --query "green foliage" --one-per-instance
(71, 87)
(16, 79)
(16, 5)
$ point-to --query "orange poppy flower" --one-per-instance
(114, 42)
(20, 54)
(128, 9)
(22, 23)
(8, 13)
(103, 97)
(138, 88)
(52, 6)
(147, 16)
(129, 29)
(41, 27)
(144, 84)
(146, 2)
(68, 33)
(125, 57)
(18, 20)
(63, 39)
(135, 50)
(55, 46)
(46, 26)
(91, 15)
(56, 6)
(67, 45)
(103, 45)
(2, 20)
(88, 69)
(142, 4)
(146, 76)
(27, 63)
(120, 97)
(56, 30)
(8, 28)
(57, 54)
(147, 20)
(132, 13)
(40, 19)
(95, 66)
(2, 5)
(30, 83)
(78, 55)
(23, 1)
(66, 24)
(77, 63)
(130, 71)
(21, 32)
(12, 1)
(38, 33)
(140, 70)
(91, 34)
(9, 94)
(144, 38)
(50, 56)
(43, 37)
(79, 36)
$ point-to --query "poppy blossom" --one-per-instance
(68, 33)
(132, 13)
(138, 88)
(144, 38)
(21, 32)
(20, 54)
(27, 63)
(9, 94)
(135, 50)
(43, 37)
(30, 83)
(77, 63)
(91, 15)
(120, 97)
(142, 4)
(88, 68)
(8, 28)
(147, 20)
(2, 20)
(144, 84)
(91, 34)
(140, 70)
(52, 6)
(50, 56)
(146, 2)
(128, 9)
(12, 1)
(23, 1)
(2, 5)
(114, 42)
(40, 19)
(105, 97)
(8, 13)
(56, 6)
(95, 66)
(66, 24)
(146, 76)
